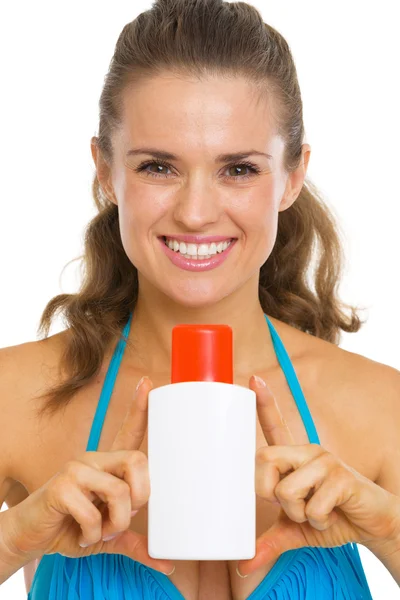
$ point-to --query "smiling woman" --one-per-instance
(204, 214)
(204, 185)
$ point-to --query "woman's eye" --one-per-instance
(240, 169)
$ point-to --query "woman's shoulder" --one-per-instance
(26, 370)
(353, 399)
(335, 365)
(30, 365)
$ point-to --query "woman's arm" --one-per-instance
(389, 475)
(10, 559)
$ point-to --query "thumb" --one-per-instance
(135, 546)
(281, 536)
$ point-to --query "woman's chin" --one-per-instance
(196, 299)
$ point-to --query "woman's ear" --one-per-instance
(103, 171)
(295, 180)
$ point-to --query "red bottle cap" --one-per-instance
(202, 353)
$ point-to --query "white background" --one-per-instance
(54, 57)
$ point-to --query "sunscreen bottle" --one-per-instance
(201, 453)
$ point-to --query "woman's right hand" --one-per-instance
(92, 497)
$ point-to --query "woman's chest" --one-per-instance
(206, 580)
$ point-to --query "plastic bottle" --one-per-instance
(201, 453)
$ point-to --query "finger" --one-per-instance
(132, 431)
(274, 426)
(266, 478)
(282, 536)
(128, 542)
(276, 464)
(288, 458)
(130, 466)
(135, 545)
(70, 500)
(296, 489)
(126, 491)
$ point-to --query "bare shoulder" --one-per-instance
(354, 402)
(377, 388)
(355, 371)
(363, 382)
(25, 370)
(361, 396)
(359, 378)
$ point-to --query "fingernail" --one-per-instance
(141, 381)
(84, 544)
(173, 571)
(134, 512)
(260, 382)
(242, 576)
(110, 537)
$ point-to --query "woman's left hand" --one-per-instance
(324, 502)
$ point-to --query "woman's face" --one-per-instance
(197, 193)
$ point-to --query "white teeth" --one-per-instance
(199, 251)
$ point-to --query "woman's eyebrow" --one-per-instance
(230, 156)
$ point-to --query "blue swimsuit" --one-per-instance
(302, 574)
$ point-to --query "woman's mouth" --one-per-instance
(197, 257)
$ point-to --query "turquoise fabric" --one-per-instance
(302, 574)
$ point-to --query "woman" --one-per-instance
(201, 136)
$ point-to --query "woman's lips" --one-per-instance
(190, 264)
(200, 239)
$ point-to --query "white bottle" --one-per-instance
(201, 453)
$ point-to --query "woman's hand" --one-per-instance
(90, 499)
(324, 502)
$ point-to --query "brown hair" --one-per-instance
(201, 37)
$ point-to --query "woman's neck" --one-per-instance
(150, 336)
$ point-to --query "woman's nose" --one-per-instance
(195, 209)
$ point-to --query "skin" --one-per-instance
(197, 120)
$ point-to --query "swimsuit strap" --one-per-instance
(293, 383)
(108, 387)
